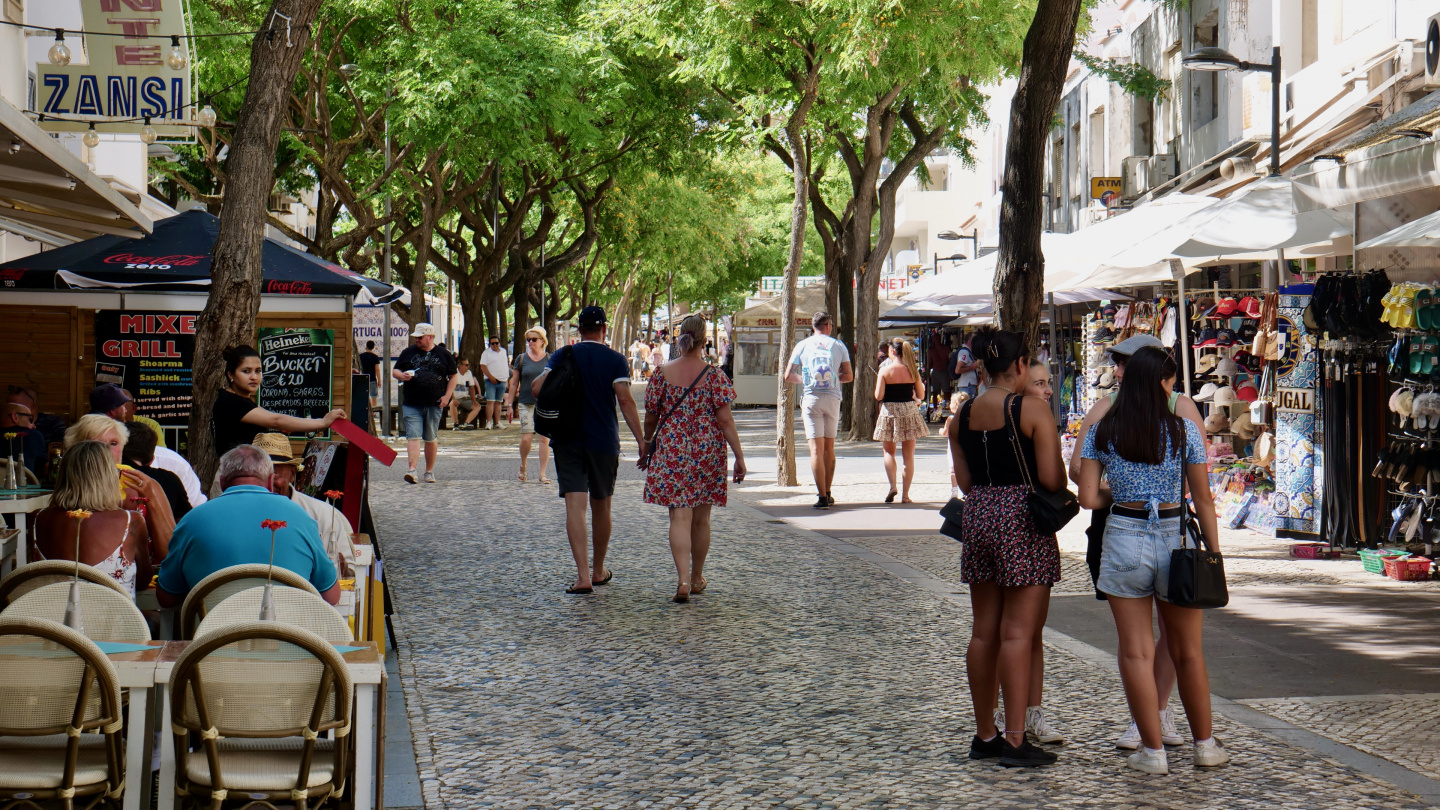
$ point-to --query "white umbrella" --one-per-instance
(1423, 232)
(1262, 217)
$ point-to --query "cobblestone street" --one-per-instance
(815, 672)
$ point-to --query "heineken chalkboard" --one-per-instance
(298, 369)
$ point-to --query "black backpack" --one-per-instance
(557, 406)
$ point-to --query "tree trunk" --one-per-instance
(472, 335)
(521, 296)
(785, 401)
(1020, 270)
(552, 312)
(234, 297)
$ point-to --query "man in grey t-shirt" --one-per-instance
(822, 364)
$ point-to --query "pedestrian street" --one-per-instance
(808, 675)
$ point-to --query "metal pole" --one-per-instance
(1182, 335)
(1275, 111)
(450, 314)
(1054, 356)
(385, 381)
(542, 292)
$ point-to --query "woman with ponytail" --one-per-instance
(687, 427)
(1001, 443)
(898, 389)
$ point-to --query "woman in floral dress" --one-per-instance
(685, 471)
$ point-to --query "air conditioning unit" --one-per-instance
(1432, 53)
(1134, 176)
(1163, 168)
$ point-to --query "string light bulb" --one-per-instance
(59, 52)
(92, 138)
(206, 116)
(147, 132)
(176, 59)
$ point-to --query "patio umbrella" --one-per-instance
(1261, 217)
(176, 257)
(1423, 232)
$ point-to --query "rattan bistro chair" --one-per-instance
(292, 606)
(227, 582)
(59, 719)
(34, 575)
(107, 615)
(257, 696)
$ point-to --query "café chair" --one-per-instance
(60, 738)
(227, 582)
(107, 615)
(34, 575)
(292, 606)
(257, 698)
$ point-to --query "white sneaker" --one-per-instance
(429, 477)
(1210, 754)
(1040, 728)
(1169, 734)
(1130, 740)
(1145, 762)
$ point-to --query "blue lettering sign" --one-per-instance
(122, 96)
(152, 92)
(58, 83)
(177, 97)
(87, 96)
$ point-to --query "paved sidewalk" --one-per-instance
(814, 673)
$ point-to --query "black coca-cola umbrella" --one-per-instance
(176, 258)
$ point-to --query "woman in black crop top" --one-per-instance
(1007, 563)
(898, 389)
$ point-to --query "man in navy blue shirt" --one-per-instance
(586, 466)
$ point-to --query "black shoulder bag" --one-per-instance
(644, 462)
(954, 511)
(1050, 510)
(1197, 575)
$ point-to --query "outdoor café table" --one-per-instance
(367, 672)
(22, 502)
(136, 672)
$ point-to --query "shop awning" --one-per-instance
(46, 188)
(1394, 156)
(1423, 232)
(176, 257)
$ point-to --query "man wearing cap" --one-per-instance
(1180, 405)
(115, 402)
(16, 418)
(586, 465)
(428, 373)
(334, 526)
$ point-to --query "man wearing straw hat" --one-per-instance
(334, 526)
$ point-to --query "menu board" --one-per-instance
(151, 355)
(298, 371)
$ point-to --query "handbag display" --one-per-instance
(1197, 575)
(644, 461)
(1050, 510)
(952, 512)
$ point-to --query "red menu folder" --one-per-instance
(372, 446)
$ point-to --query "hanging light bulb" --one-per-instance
(59, 52)
(92, 138)
(147, 132)
(206, 116)
(176, 59)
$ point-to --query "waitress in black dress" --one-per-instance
(236, 419)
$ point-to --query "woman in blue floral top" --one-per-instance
(1148, 454)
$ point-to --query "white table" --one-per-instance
(136, 672)
(23, 504)
(367, 672)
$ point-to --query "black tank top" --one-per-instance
(899, 392)
(990, 454)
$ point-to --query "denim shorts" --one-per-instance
(421, 423)
(495, 392)
(1135, 561)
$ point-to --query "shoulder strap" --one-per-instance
(1012, 421)
(965, 414)
(665, 417)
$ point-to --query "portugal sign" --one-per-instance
(126, 76)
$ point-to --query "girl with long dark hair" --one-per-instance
(1008, 564)
(1148, 454)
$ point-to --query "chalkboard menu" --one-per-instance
(149, 354)
(298, 369)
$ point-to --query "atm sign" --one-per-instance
(1105, 187)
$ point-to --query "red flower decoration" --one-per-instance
(334, 494)
(272, 525)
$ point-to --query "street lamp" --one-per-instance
(1218, 59)
(974, 237)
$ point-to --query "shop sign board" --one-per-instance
(151, 355)
(127, 77)
(1295, 400)
(298, 371)
(777, 283)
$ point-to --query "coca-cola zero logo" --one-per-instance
(136, 262)
(289, 287)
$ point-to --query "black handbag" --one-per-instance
(952, 512)
(1197, 575)
(1050, 510)
(644, 461)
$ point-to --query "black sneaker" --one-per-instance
(822, 502)
(1026, 755)
(980, 749)
(830, 499)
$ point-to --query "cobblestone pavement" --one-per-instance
(804, 677)
(1401, 728)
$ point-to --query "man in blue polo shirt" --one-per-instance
(226, 531)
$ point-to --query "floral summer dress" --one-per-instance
(690, 467)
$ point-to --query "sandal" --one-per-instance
(574, 590)
(681, 597)
(699, 586)
(522, 476)
(609, 575)
(891, 497)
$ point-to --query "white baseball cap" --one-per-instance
(1225, 396)
(1206, 392)
(423, 329)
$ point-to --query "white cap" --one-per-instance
(1225, 396)
(1206, 392)
(423, 329)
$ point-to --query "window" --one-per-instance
(1143, 113)
(1097, 144)
(14, 10)
(1205, 85)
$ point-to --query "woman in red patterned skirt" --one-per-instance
(687, 426)
(1002, 440)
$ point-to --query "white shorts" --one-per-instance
(821, 415)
